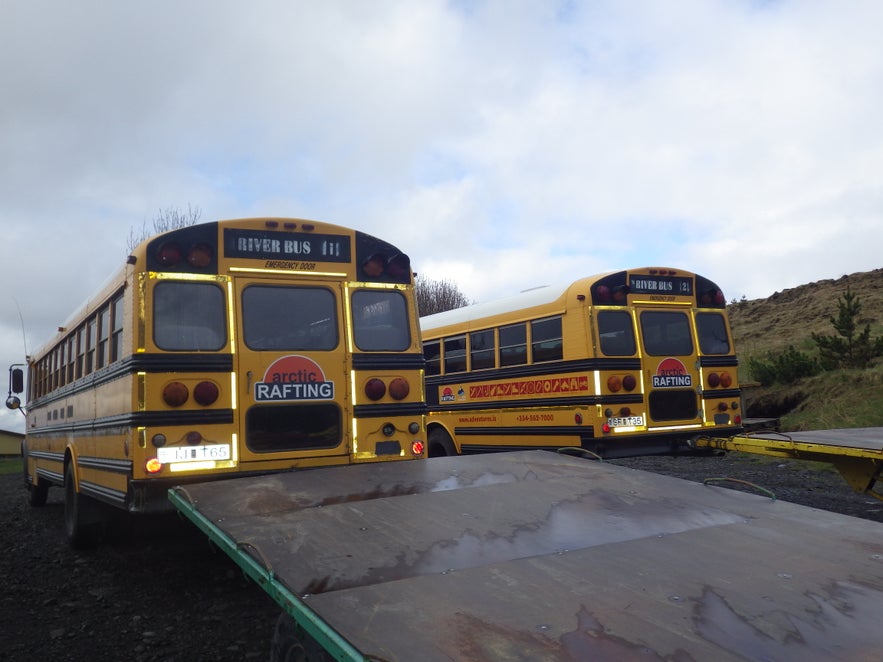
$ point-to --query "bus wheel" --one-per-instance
(440, 443)
(291, 644)
(37, 493)
(83, 520)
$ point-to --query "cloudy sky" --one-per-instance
(502, 144)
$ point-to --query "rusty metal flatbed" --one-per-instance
(537, 556)
(857, 453)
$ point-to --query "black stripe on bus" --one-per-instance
(389, 410)
(540, 430)
(105, 494)
(120, 424)
(722, 393)
(105, 464)
(378, 361)
(187, 362)
(718, 361)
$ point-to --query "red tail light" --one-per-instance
(629, 382)
(375, 389)
(714, 380)
(152, 466)
(206, 393)
(169, 254)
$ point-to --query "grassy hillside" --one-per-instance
(843, 398)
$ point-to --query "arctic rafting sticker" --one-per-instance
(293, 377)
(671, 373)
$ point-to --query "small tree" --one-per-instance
(849, 348)
(170, 218)
(436, 296)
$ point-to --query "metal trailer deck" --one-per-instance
(533, 555)
(857, 453)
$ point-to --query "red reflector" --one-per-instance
(206, 393)
(399, 389)
(417, 447)
(169, 254)
(152, 466)
(375, 389)
(738, 420)
(605, 428)
(578, 418)
(175, 394)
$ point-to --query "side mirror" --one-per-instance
(12, 402)
(16, 380)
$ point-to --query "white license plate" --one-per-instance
(171, 454)
(625, 421)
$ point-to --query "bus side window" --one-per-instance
(432, 354)
(545, 338)
(712, 333)
(616, 333)
(455, 354)
(482, 349)
(513, 345)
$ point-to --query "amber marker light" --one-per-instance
(399, 388)
(175, 394)
(614, 383)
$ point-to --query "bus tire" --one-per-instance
(440, 443)
(291, 644)
(83, 521)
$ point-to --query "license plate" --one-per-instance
(193, 453)
(625, 421)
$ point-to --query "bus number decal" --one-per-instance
(671, 373)
(293, 377)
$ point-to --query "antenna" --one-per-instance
(24, 338)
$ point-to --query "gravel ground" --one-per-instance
(166, 594)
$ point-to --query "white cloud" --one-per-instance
(501, 144)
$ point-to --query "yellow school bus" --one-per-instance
(220, 349)
(626, 363)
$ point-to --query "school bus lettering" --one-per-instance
(531, 387)
(280, 392)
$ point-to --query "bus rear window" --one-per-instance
(288, 318)
(666, 333)
(189, 316)
(380, 321)
(712, 333)
(616, 333)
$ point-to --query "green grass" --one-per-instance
(10, 465)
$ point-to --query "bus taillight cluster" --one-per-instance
(376, 388)
(170, 255)
(397, 266)
(615, 383)
(175, 394)
(724, 380)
